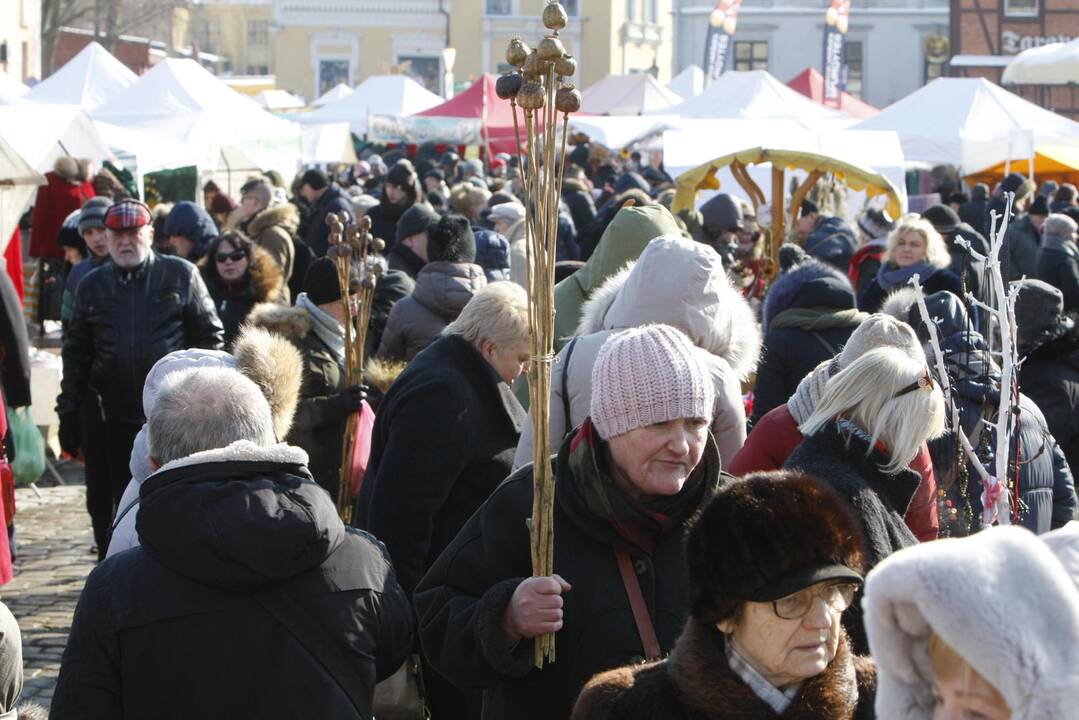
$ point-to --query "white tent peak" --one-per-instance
(627, 95)
(337, 92)
(688, 83)
(397, 95)
(90, 79)
(1052, 64)
(279, 100)
(751, 94)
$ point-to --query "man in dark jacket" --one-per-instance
(324, 198)
(1019, 255)
(409, 253)
(826, 238)
(128, 315)
(1058, 259)
(578, 198)
(946, 221)
(244, 567)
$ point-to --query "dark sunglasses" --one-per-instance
(925, 382)
(234, 256)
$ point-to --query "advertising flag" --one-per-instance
(721, 24)
(834, 69)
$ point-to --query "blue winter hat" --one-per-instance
(188, 220)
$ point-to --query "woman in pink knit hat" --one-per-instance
(626, 483)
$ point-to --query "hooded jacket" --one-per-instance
(492, 253)
(1058, 264)
(272, 229)
(441, 293)
(675, 282)
(579, 202)
(623, 240)
(264, 282)
(188, 220)
(833, 241)
(174, 629)
(809, 314)
(1019, 635)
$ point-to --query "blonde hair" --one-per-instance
(936, 252)
(865, 393)
(948, 664)
(468, 200)
(498, 312)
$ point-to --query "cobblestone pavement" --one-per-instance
(54, 542)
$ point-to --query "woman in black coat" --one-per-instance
(809, 314)
(623, 493)
(239, 275)
(868, 426)
(914, 248)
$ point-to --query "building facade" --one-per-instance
(20, 39)
(893, 46)
(985, 36)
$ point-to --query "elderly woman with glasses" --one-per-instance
(239, 275)
(774, 561)
(868, 426)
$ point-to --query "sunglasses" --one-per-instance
(234, 256)
(925, 382)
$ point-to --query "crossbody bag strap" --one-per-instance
(637, 604)
(565, 386)
(319, 644)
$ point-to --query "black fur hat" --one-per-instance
(764, 533)
(451, 240)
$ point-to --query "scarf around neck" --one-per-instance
(889, 276)
(326, 328)
(818, 318)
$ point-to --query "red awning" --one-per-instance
(811, 84)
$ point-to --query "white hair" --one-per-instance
(497, 312)
(1059, 225)
(206, 408)
(936, 252)
(867, 394)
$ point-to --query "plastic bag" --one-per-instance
(29, 460)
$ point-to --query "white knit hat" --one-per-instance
(647, 375)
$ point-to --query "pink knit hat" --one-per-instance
(647, 375)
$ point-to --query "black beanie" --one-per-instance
(401, 174)
(451, 240)
(414, 221)
(943, 218)
(321, 283)
(315, 179)
(1039, 207)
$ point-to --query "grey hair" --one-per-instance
(498, 312)
(1059, 225)
(936, 252)
(865, 394)
(206, 408)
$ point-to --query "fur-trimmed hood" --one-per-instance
(1001, 598)
(284, 215)
(681, 283)
(292, 323)
(276, 366)
(810, 284)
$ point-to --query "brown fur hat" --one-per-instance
(276, 366)
(760, 529)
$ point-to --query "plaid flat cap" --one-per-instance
(127, 214)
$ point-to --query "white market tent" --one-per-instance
(88, 80)
(185, 106)
(1053, 64)
(43, 133)
(688, 83)
(970, 123)
(10, 88)
(620, 131)
(18, 183)
(328, 143)
(633, 94)
(279, 100)
(337, 92)
(752, 94)
(394, 95)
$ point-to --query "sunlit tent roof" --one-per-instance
(751, 94)
(688, 83)
(397, 95)
(627, 95)
(42, 133)
(810, 83)
(332, 95)
(1053, 64)
(89, 79)
(18, 182)
(279, 100)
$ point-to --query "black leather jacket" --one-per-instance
(124, 321)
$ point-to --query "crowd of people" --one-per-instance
(762, 506)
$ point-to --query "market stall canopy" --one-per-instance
(1051, 162)
(1052, 64)
(180, 101)
(627, 95)
(810, 83)
(970, 123)
(393, 95)
(18, 183)
(752, 94)
(338, 91)
(278, 100)
(10, 88)
(328, 143)
(617, 132)
(43, 133)
(90, 79)
(688, 83)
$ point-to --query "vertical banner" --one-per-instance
(721, 24)
(834, 67)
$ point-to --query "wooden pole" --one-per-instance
(779, 212)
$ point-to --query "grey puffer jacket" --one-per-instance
(442, 291)
(675, 282)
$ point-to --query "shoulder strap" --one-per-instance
(317, 641)
(636, 603)
(565, 385)
(825, 344)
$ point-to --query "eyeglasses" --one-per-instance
(837, 596)
(925, 382)
(234, 256)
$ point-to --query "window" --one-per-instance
(651, 11)
(424, 70)
(853, 53)
(331, 72)
(499, 7)
(258, 69)
(1023, 8)
(631, 10)
(573, 7)
(258, 32)
(751, 55)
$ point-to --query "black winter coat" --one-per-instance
(173, 629)
(1050, 376)
(1058, 265)
(461, 600)
(124, 322)
(872, 299)
(579, 203)
(317, 232)
(879, 500)
(443, 440)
